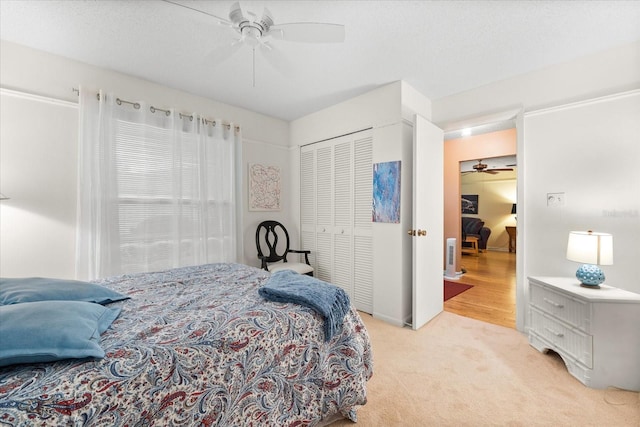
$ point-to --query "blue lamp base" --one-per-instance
(590, 276)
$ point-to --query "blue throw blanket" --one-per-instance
(328, 300)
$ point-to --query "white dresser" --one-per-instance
(596, 331)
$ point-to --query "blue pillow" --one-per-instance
(31, 289)
(52, 330)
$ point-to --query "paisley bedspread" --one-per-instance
(197, 346)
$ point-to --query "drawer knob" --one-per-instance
(556, 333)
(553, 303)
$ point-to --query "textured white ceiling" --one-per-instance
(438, 47)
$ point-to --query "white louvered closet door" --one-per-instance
(362, 225)
(308, 202)
(342, 216)
(324, 207)
(336, 197)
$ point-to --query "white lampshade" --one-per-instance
(589, 247)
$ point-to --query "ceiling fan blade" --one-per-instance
(223, 52)
(309, 32)
(220, 20)
(240, 12)
(276, 59)
(235, 14)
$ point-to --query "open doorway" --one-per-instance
(488, 189)
(489, 264)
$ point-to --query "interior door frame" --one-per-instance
(515, 116)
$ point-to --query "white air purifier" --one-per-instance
(450, 272)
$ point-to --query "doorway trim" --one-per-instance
(507, 119)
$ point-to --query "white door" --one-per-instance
(428, 182)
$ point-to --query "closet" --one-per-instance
(388, 270)
(335, 212)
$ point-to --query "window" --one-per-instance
(157, 189)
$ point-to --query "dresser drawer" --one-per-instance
(570, 341)
(573, 311)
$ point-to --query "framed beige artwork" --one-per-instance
(264, 187)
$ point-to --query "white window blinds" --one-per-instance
(157, 189)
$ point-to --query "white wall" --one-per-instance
(38, 166)
(591, 153)
(38, 158)
(379, 107)
(391, 248)
(548, 162)
(611, 71)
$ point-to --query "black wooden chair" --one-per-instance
(269, 236)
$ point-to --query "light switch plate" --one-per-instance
(555, 199)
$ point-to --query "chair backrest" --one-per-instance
(268, 234)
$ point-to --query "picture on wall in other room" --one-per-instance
(386, 192)
(470, 204)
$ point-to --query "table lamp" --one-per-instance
(592, 249)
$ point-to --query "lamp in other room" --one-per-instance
(592, 249)
(513, 211)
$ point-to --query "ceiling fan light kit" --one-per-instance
(480, 167)
(251, 31)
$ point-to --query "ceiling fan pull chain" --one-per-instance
(254, 66)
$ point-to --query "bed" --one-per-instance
(199, 346)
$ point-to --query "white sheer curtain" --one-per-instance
(156, 188)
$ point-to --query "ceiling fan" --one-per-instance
(482, 167)
(259, 31)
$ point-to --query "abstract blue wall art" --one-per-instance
(386, 192)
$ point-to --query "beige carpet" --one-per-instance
(457, 371)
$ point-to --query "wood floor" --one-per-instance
(493, 296)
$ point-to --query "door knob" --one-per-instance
(422, 232)
(411, 232)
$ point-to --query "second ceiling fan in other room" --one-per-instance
(484, 168)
